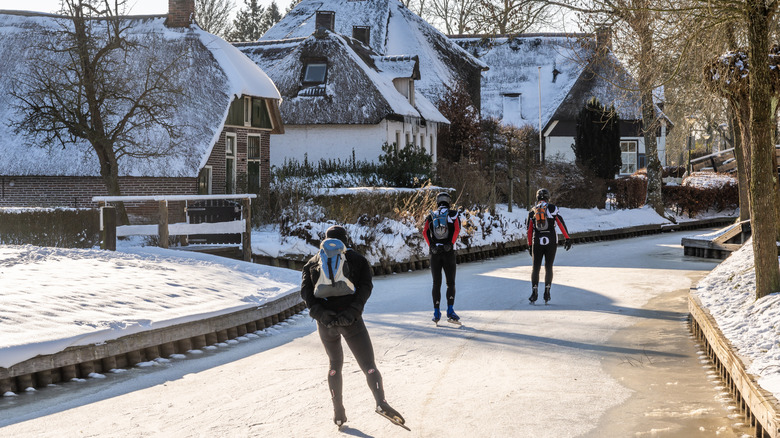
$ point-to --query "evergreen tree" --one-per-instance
(248, 22)
(270, 17)
(597, 142)
(462, 138)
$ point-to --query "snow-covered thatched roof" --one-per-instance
(393, 30)
(359, 87)
(567, 70)
(210, 71)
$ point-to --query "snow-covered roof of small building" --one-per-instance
(393, 30)
(566, 70)
(358, 88)
(211, 73)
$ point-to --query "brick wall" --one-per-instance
(71, 191)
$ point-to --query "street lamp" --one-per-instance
(706, 136)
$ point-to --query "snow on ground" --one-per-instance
(53, 298)
(751, 325)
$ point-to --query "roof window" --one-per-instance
(314, 73)
(362, 34)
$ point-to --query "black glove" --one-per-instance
(567, 244)
(348, 316)
(322, 315)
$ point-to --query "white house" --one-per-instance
(544, 80)
(342, 98)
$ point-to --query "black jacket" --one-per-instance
(359, 274)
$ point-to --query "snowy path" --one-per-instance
(512, 370)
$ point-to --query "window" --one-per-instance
(236, 113)
(247, 111)
(315, 73)
(260, 117)
(411, 91)
(204, 181)
(628, 155)
(362, 34)
(230, 164)
(408, 139)
(253, 164)
(397, 140)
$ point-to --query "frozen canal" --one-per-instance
(610, 356)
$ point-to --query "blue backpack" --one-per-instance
(333, 281)
(439, 224)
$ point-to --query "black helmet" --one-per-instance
(337, 232)
(443, 198)
(542, 194)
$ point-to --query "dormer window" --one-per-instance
(362, 34)
(314, 73)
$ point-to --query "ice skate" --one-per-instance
(452, 317)
(546, 294)
(339, 416)
(534, 295)
(436, 316)
(391, 414)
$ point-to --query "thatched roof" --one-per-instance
(359, 87)
(568, 69)
(209, 70)
(394, 30)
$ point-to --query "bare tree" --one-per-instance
(452, 16)
(89, 85)
(214, 16)
(503, 17)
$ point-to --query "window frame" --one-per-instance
(306, 80)
(230, 174)
(632, 155)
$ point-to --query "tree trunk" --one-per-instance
(654, 170)
(739, 119)
(762, 186)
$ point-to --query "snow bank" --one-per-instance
(752, 326)
(91, 296)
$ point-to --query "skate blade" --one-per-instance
(393, 420)
(454, 321)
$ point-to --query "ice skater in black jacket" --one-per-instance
(543, 241)
(441, 231)
(342, 316)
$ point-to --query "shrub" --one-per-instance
(629, 192)
(406, 167)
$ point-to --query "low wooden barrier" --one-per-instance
(759, 407)
(127, 351)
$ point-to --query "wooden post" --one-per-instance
(162, 227)
(246, 240)
(108, 228)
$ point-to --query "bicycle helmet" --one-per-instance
(443, 198)
(542, 194)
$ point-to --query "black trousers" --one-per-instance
(359, 343)
(546, 252)
(445, 261)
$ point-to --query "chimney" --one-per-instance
(181, 13)
(604, 37)
(325, 19)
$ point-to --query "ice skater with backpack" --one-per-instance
(441, 231)
(543, 241)
(335, 285)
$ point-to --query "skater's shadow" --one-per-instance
(346, 430)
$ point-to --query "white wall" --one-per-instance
(563, 145)
(338, 141)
